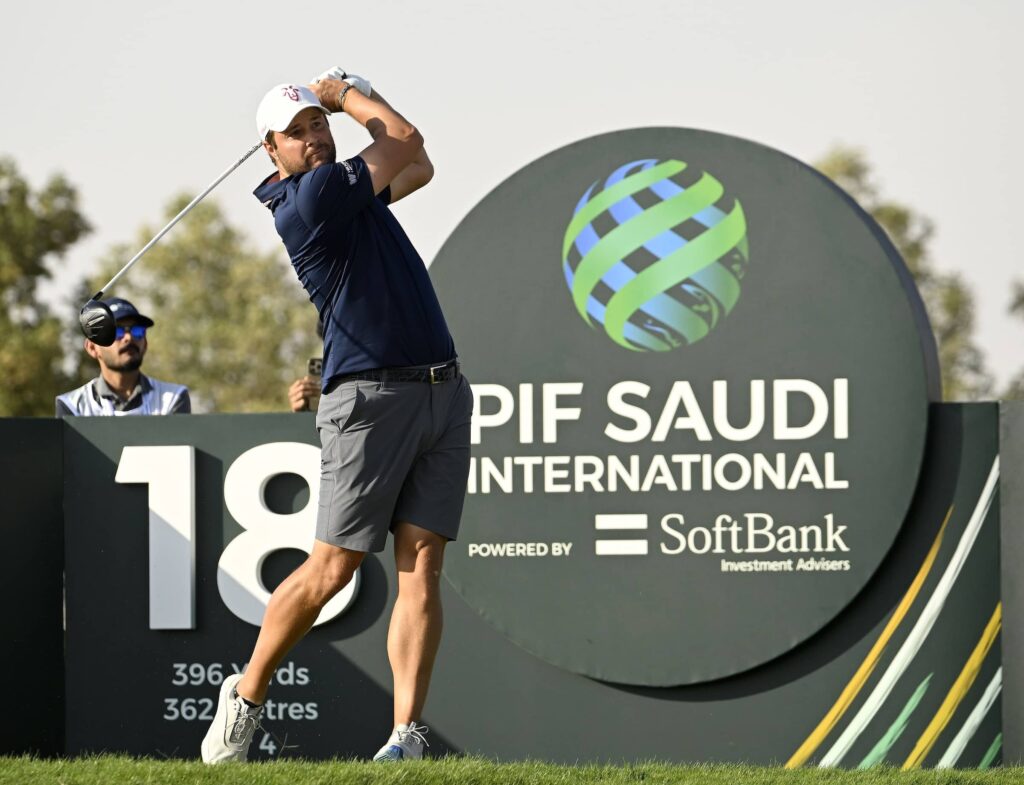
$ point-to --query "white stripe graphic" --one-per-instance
(921, 629)
(959, 744)
(620, 521)
(620, 547)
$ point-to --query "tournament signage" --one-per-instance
(177, 527)
(702, 381)
(702, 378)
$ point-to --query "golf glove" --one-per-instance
(338, 73)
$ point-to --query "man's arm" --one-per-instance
(415, 175)
(412, 178)
(396, 142)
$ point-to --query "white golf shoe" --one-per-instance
(233, 725)
(406, 743)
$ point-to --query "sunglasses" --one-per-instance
(137, 331)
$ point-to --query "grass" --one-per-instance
(115, 770)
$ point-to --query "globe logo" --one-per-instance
(655, 255)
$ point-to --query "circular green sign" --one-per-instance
(702, 378)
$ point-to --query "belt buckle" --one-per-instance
(433, 368)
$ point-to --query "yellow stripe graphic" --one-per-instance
(850, 692)
(957, 691)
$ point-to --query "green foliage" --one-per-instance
(35, 228)
(1016, 389)
(232, 323)
(947, 299)
(465, 771)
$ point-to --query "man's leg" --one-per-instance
(292, 609)
(432, 495)
(416, 622)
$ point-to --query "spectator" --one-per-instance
(121, 388)
(304, 394)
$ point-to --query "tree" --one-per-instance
(231, 323)
(947, 299)
(35, 228)
(1016, 389)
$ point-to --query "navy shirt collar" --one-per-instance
(271, 190)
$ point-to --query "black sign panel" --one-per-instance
(31, 580)
(149, 691)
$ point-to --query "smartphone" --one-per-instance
(315, 368)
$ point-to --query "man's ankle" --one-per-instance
(247, 697)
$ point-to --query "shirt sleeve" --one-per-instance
(182, 405)
(334, 191)
(63, 410)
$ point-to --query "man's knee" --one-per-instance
(419, 556)
(418, 549)
(330, 569)
(336, 577)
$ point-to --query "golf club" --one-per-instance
(97, 321)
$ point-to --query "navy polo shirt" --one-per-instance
(368, 283)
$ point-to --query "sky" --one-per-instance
(135, 102)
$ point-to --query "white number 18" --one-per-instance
(169, 471)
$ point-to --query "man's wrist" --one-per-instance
(342, 94)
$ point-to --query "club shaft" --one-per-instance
(177, 218)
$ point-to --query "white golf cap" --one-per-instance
(280, 105)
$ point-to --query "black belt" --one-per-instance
(435, 374)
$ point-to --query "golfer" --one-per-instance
(395, 410)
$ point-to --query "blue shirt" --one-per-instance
(370, 286)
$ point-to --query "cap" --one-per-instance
(122, 309)
(280, 105)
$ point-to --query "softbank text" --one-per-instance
(756, 533)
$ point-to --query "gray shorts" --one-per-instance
(392, 452)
